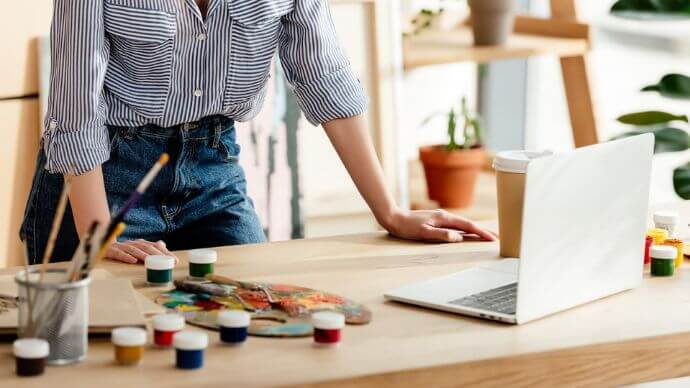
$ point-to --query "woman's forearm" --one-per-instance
(352, 142)
(88, 200)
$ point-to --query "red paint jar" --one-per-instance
(164, 328)
(327, 327)
(647, 246)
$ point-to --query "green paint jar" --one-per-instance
(663, 260)
(201, 262)
(159, 269)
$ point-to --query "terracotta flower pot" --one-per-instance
(451, 175)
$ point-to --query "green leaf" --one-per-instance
(666, 139)
(671, 85)
(651, 117)
(632, 5)
(681, 181)
(671, 5)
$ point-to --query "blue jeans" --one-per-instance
(198, 200)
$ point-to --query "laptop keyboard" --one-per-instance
(501, 300)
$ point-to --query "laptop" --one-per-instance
(584, 223)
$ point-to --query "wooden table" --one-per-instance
(640, 335)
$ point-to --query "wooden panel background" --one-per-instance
(18, 149)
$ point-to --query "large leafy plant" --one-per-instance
(668, 128)
(644, 8)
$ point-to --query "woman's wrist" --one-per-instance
(388, 219)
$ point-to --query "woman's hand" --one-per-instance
(135, 251)
(433, 225)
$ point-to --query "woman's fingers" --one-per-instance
(115, 252)
(134, 251)
(430, 233)
(448, 220)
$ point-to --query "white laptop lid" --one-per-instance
(584, 222)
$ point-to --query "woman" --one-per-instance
(132, 79)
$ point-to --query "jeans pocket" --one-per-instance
(228, 147)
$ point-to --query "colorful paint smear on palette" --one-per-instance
(278, 310)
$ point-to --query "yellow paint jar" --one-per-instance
(678, 244)
(129, 345)
(659, 235)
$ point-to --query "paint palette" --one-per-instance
(278, 310)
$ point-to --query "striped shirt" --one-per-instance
(137, 62)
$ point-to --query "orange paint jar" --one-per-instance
(129, 345)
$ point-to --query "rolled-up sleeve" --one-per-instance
(316, 66)
(76, 138)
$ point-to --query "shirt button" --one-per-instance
(197, 93)
(201, 36)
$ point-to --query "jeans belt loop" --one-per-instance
(129, 133)
(218, 129)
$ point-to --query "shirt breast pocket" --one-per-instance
(141, 36)
(256, 28)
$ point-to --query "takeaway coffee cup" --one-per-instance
(511, 169)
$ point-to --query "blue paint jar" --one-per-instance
(234, 326)
(189, 349)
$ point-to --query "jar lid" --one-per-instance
(665, 217)
(190, 340)
(160, 262)
(663, 252)
(203, 256)
(234, 318)
(517, 161)
(128, 336)
(168, 322)
(31, 348)
(327, 320)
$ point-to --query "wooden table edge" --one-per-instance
(605, 364)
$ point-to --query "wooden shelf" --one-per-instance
(440, 47)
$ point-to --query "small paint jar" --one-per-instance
(30, 355)
(663, 260)
(159, 269)
(659, 235)
(129, 344)
(648, 241)
(189, 349)
(164, 328)
(201, 262)
(234, 326)
(679, 245)
(667, 221)
(327, 327)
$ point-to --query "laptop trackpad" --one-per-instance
(460, 284)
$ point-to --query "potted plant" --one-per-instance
(452, 169)
(492, 21)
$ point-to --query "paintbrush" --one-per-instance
(137, 194)
(104, 248)
(83, 250)
(57, 221)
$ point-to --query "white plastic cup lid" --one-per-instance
(663, 252)
(203, 256)
(128, 336)
(666, 217)
(517, 161)
(31, 348)
(327, 320)
(190, 340)
(168, 322)
(160, 262)
(234, 318)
